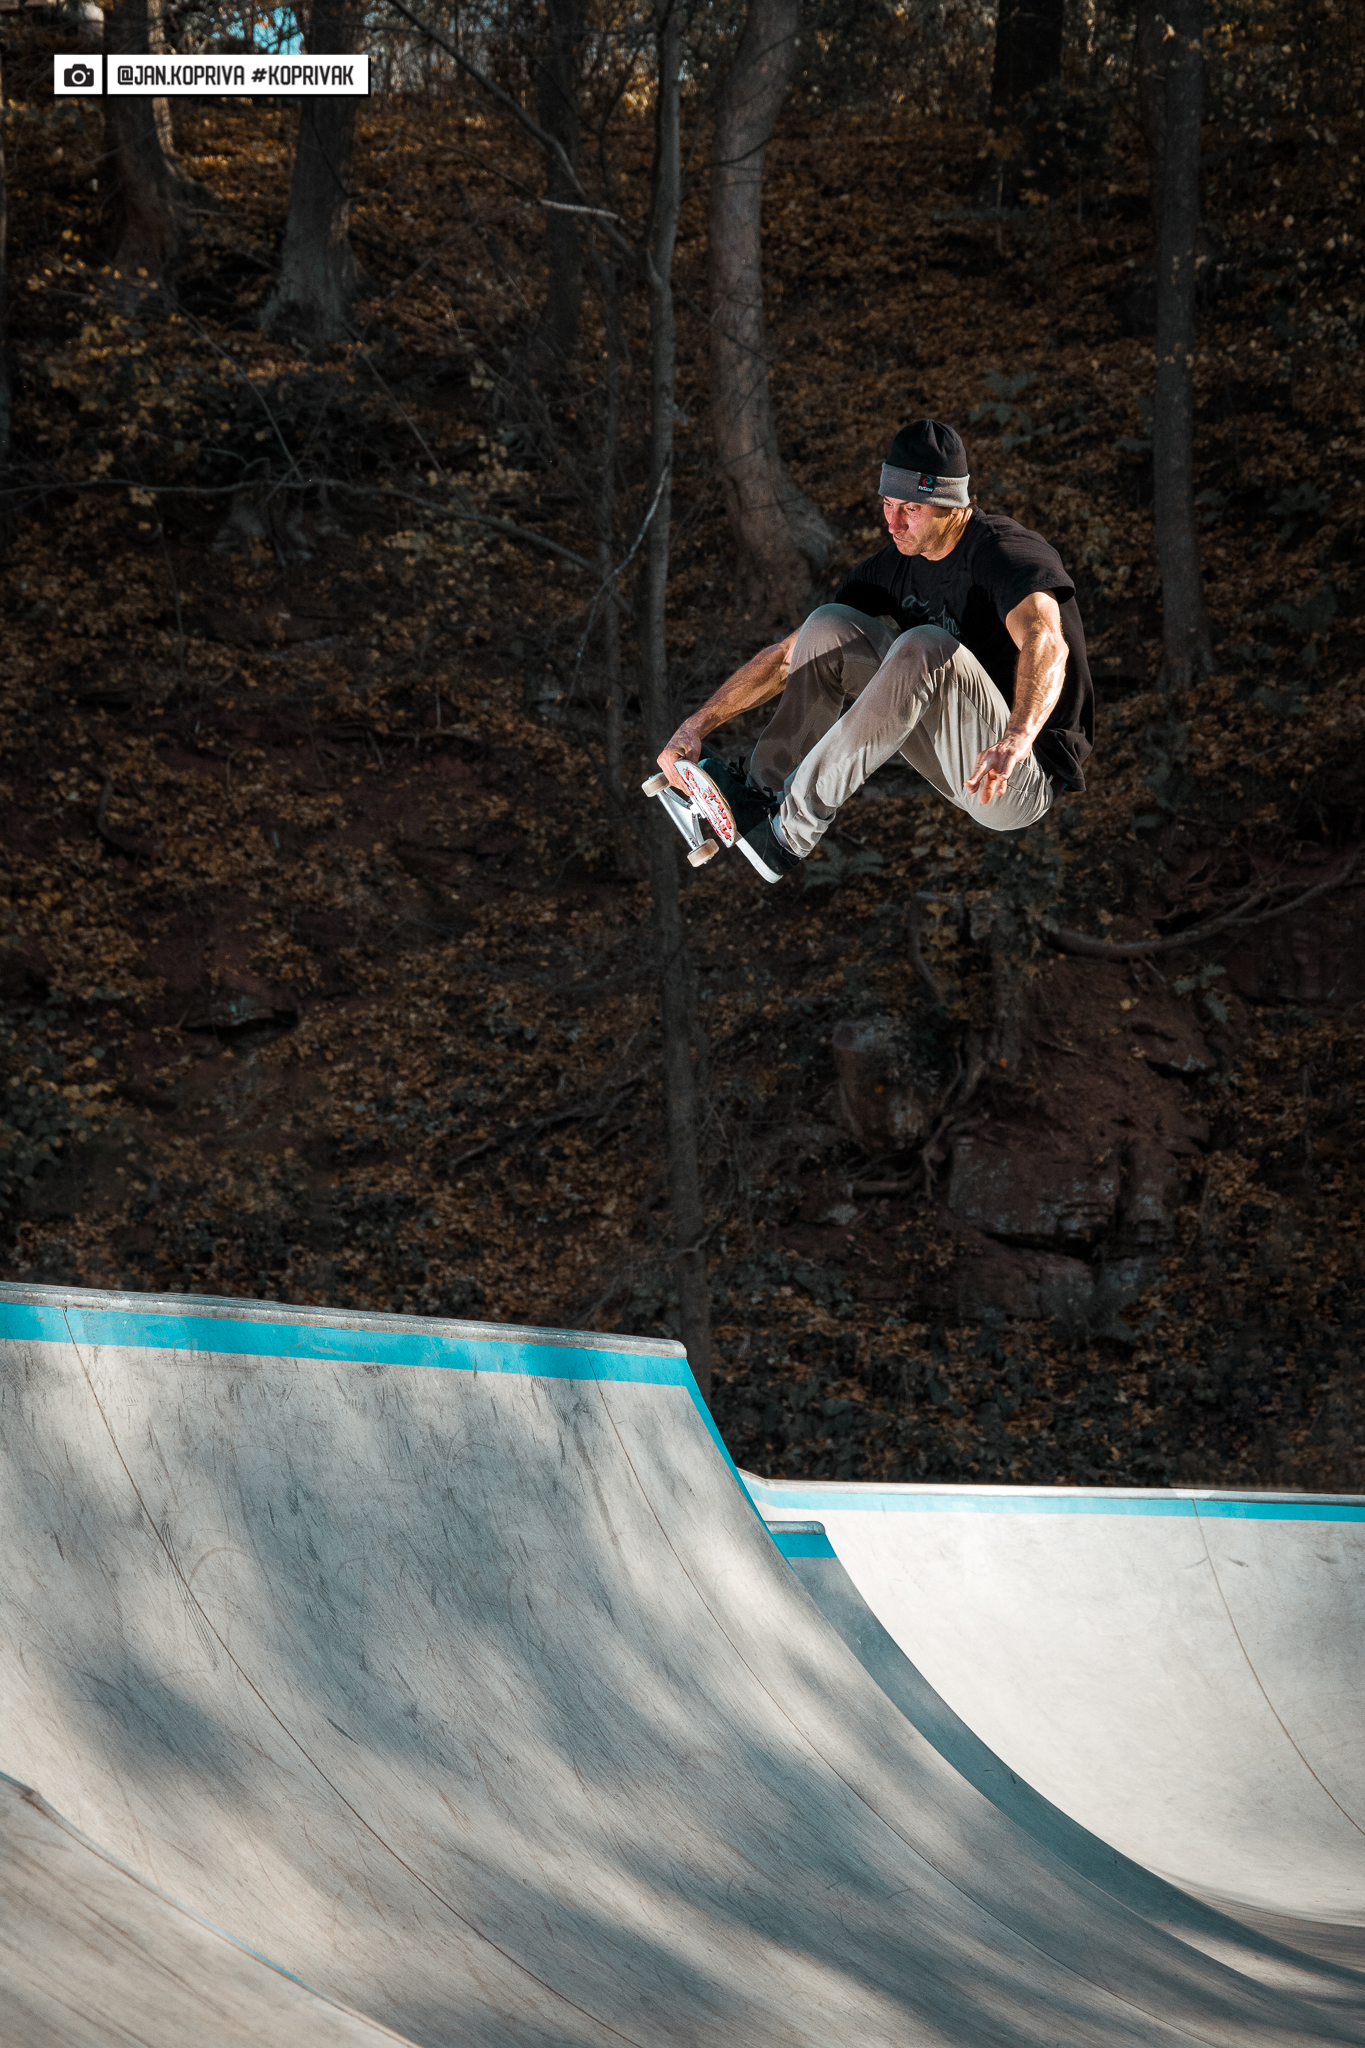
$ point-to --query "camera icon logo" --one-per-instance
(80, 77)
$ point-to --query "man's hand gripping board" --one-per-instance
(702, 806)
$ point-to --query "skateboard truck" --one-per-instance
(702, 806)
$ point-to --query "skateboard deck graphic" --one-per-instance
(702, 806)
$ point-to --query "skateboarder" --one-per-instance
(958, 646)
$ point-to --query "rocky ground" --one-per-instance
(327, 965)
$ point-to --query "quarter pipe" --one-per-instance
(1181, 1672)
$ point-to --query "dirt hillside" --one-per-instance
(327, 977)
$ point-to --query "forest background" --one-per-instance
(381, 481)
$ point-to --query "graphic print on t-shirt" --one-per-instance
(917, 613)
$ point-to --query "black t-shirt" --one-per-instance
(996, 564)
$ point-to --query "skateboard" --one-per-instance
(703, 805)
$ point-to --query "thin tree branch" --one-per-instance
(418, 436)
(1134, 949)
(581, 1112)
(251, 384)
(606, 587)
(551, 145)
(563, 206)
(458, 516)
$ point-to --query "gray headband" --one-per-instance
(922, 487)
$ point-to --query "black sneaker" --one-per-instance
(763, 849)
(749, 805)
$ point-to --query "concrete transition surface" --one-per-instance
(1181, 1673)
(377, 1678)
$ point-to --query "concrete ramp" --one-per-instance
(450, 1669)
(1182, 1674)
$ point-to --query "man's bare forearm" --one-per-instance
(758, 680)
(1038, 678)
(762, 677)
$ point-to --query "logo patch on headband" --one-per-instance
(928, 483)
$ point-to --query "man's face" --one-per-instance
(911, 525)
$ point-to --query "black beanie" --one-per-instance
(928, 464)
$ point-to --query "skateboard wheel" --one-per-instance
(653, 784)
(701, 854)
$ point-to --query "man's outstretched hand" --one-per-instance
(994, 766)
(685, 745)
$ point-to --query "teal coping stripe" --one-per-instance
(243, 1337)
(832, 1499)
(801, 1543)
(239, 1336)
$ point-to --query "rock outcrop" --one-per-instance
(1064, 1186)
(880, 1095)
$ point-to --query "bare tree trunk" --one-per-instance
(677, 1003)
(1028, 51)
(1149, 68)
(557, 108)
(1028, 61)
(779, 534)
(609, 273)
(6, 382)
(317, 268)
(150, 186)
(676, 993)
(1184, 622)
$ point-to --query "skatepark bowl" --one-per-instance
(368, 1679)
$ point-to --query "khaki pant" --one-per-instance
(920, 694)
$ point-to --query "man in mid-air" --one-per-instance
(958, 646)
